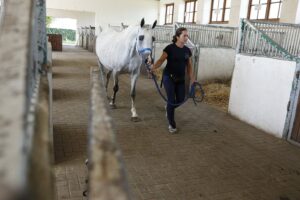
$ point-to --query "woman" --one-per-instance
(179, 60)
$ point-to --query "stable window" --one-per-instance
(190, 12)
(220, 11)
(264, 9)
(169, 13)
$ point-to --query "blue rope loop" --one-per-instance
(196, 86)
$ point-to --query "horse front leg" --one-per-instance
(116, 88)
(134, 116)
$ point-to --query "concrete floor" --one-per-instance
(213, 156)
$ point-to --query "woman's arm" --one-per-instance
(190, 70)
(160, 61)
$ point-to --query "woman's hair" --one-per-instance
(178, 33)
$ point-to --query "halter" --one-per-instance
(144, 49)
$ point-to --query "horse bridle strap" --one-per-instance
(144, 49)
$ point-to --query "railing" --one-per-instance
(284, 34)
(24, 110)
(92, 39)
(1, 10)
(163, 33)
(118, 28)
(256, 42)
(87, 38)
(80, 37)
(212, 36)
(107, 178)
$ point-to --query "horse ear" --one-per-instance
(142, 23)
(154, 24)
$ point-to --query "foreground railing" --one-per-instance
(284, 34)
(25, 158)
(106, 179)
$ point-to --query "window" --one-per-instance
(169, 13)
(190, 11)
(264, 9)
(220, 10)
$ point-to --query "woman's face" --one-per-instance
(183, 38)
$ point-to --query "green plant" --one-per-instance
(48, 21)
(67, 34)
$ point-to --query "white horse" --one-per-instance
(124, 52)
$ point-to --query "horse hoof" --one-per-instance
(135, 119)
(113, 106)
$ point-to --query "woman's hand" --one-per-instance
(149, 60)
(192, 80)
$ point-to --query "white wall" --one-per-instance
(178, 10)
(260, 92)
(111, 12)
(215, 63)
(83, 18)
(203, 11)
(289, 11)
(297, 21)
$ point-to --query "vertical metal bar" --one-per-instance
(297, 46)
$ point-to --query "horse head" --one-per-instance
(145, 39)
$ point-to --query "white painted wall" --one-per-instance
(239, 9)
(159, 47)
(178, 10)
(297, 21)
(83, 18)
(111, 12)
(215, 63)
(260, 92)
(289, 11)
(204, 11)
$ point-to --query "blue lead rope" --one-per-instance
(192, 91)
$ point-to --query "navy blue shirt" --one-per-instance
(177, 60)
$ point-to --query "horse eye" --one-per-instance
(141, 37)
(153, 38)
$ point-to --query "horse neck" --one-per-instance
(131, 34)
(131, 39)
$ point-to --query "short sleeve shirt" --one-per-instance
(177, 59)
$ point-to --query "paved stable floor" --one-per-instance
(213, 156)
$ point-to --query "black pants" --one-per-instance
(176, 94)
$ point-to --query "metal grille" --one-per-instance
(255, 41)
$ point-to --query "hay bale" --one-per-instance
(217, 93)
